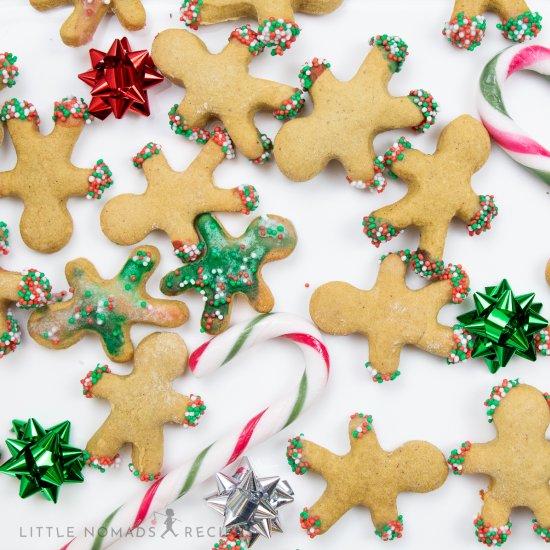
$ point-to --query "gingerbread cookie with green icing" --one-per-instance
(517, 461)
(439, 188)
(277, 28)
(347, 116)
(44, 177)
(142, 402)
(391, 315)
(467, 26)
(219, 86)
(106, 307)
(80, 27)
(232, 266)
(29, 289)
(173, 200)
(366, 476)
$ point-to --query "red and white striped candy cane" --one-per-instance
(492, 109)
(203, 361)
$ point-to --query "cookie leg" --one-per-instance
(466, 28)
(519, 23)
(325, 512)
(130, 13)
(242, 130)
(147, 454)
(493, 525)
(81, 25)
(541, 524)
(384, 355)
(432, 239)
(387, 522)
(106, 442)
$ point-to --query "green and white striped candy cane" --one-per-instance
(204, 361)
(494, 115)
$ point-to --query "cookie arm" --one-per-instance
(271, 95)
(108, 385)
(130, 13)
(163, 313)
(175, 408)
(9, 287)
(478, 460)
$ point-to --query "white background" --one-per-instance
(429, 401)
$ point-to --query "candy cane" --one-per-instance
(203, 361)
(511, 137)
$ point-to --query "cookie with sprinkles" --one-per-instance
(391, 315)
(80, 27)
(232, 266)
(347, 116)
(467, 26)
(142, 402)
(220, 87)
(277, 28)
(517, 462)
(439, 188)
(366, 476)
(106, 307)
(44, 177)
(173, 199)
(29, 289)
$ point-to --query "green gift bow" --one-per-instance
(42, 459)
(503, 325)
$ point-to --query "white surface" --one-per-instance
(429, 400)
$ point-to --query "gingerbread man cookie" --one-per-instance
(391, 315)
(367, 476)
(141, 403)
(219, 86)
(80, 27)
(277, 28)
(106, 307)
(27, 290)
(231, 266)
(44, 177)
(467, 26)
(347, 116)
(173, 200)
(517, 461)
(439, 188)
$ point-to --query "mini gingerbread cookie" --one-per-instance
(517, 461)
(347, 116)
(106, 307)
(439, 188)
(44, 177)
(28, 290)
(141, 403)
(391, 315)
(173, 200)
(219, 86)
(367, 476)
(467, 26)
(231, 266)
(277, 28)
(80, 27)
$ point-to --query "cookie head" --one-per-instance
(166, 349)
(523, 410)
(331, 305)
